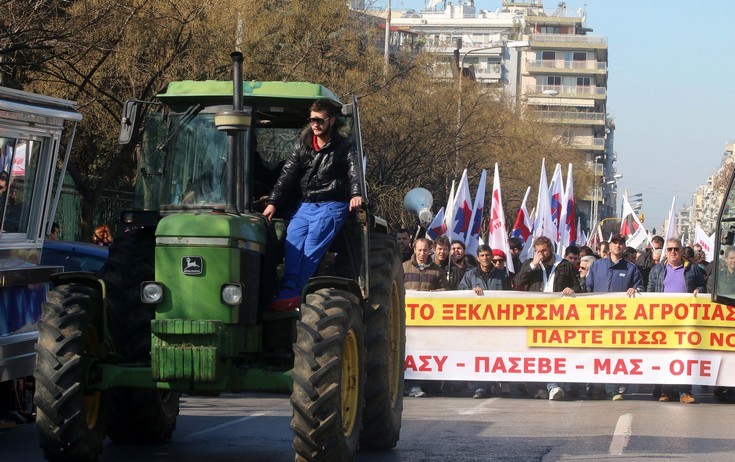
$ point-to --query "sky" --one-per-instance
(670, 91)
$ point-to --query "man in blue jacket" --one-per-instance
(613, 274)
(675, 274)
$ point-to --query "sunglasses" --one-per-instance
(498, 261)
(316, 120)
(672, 249)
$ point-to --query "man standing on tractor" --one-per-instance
(324, 164)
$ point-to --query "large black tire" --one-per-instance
(131, 262)
(70, 418)
(135, 415)
(328, 377)
(386, 346)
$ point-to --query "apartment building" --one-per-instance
(706, 200)
(561, 75)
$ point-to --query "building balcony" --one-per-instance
(567, 91)
(560, 66)
(572, 117)
(486, 73)
(588, 143)
(568, 41)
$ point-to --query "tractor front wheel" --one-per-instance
(70, 417)
(328, 377)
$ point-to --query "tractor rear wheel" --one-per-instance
(328, 377)
(135, 415)
(70, 417)
(386, 346)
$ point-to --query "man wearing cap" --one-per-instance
(490, 273)
(613, 274)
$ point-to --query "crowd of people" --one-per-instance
(666, 266)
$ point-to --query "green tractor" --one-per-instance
(184, 303)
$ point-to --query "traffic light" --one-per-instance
(641, 217)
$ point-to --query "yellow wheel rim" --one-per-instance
(91, 401)
(395, 361)
(350, 383)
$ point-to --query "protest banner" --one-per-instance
(597, 338)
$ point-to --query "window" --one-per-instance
(584, 82)
(553, 80)
(579, 56)
(550, 29)
(18, 171)
(548, 55)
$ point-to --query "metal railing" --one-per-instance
(568, 38)
(572, 116)
(563, 64)
(565, 90)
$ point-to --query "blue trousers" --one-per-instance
(308, 236)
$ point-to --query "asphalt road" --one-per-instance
(250, 427)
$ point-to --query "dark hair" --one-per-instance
(572, 249)
(629, 251)
(443, 241)
(657, 239)
(332, 108)
(483, 248)
(586, 250)
(403, 230)
(515, 243)
(55, 226)
(457, 241)
(688, 253)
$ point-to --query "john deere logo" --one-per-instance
(192, 266)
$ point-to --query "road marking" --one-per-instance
(227, 424)
(621, 436)
(479, 408)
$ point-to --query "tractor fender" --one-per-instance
(326, 282)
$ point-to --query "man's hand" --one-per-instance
(269, 211)
(696, 292)
(538, 256)
(632, 291)
(355, 203)
(478, 291)
(567, 291)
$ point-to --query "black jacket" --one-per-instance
(329, 174)
(531, 280)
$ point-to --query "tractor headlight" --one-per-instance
(151, 292)
(232, 294)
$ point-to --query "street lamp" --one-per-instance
(595, 191)
(501, 45)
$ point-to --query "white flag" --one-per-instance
(498, 235)
(707, 243)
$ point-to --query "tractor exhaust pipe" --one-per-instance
(235, 122)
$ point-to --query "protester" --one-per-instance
(452, 273)
(613, 274)
(420, 273)
(645, 262)
(545, 272)
(403, 236)
(584, 266)
(676, 274)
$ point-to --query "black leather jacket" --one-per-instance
(329, 174)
